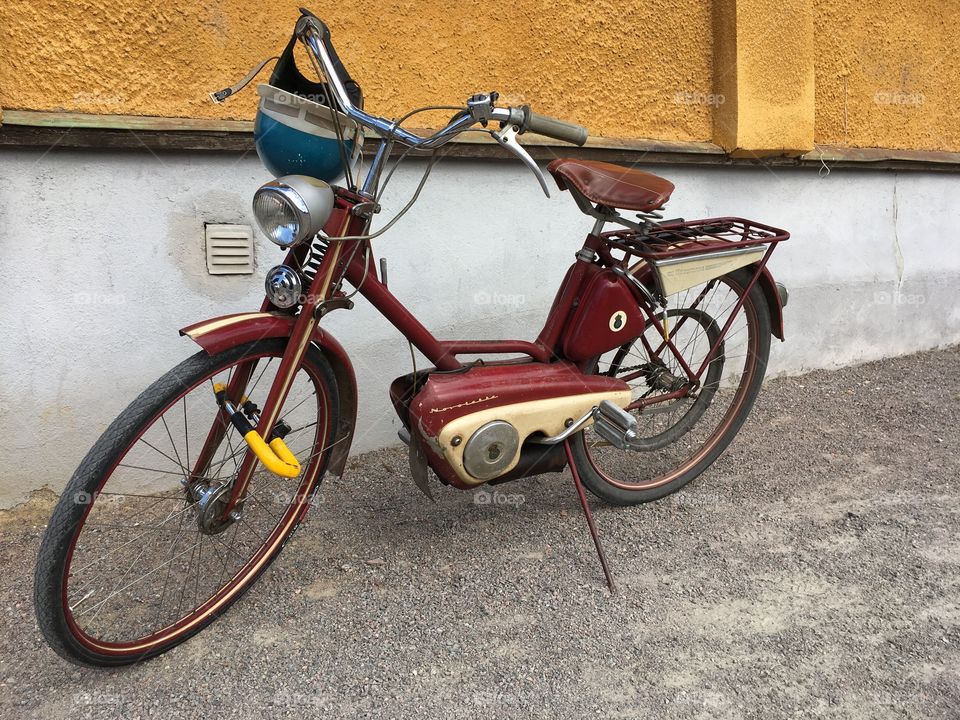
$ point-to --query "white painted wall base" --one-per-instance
(103, 261)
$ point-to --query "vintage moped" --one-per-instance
(647, 366)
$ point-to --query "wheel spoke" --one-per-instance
(154, 528)
(183, 471)
(141, 566)
(674, 431)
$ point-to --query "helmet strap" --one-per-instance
(220, 96)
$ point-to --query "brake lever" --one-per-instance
(507, 137)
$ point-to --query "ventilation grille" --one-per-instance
(229, 249)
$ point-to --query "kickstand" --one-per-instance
(586, 511)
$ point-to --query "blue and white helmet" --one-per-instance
(295, 131)
(297, 136)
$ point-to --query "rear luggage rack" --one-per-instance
(695, 237)
(685, 254)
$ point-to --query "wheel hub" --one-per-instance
(659, 378)
(211, 502)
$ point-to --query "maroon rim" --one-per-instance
(200, 615)
(717, 434)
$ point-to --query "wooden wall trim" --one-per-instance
(22, 128)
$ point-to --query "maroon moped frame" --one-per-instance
(352, 260)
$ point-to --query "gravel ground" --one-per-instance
(812, 571)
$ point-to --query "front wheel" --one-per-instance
(680, 438)
(137, 556)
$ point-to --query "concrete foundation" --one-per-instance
(104, 261)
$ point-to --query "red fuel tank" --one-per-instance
(606, 317)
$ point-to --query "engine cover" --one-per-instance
(472, 424)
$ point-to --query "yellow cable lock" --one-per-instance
(276, 457)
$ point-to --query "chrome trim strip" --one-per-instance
(570, 430)
(709, 255)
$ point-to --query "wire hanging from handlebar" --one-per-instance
(399, 122)
(435, 157)
(335, 111)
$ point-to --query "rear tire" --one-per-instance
(614, 486)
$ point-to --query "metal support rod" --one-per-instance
(598, 225)
(736, 308)
(372, 181)
(571, 429)
(586, 511)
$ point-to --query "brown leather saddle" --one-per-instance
(612, 186)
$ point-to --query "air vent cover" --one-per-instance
(229, 249)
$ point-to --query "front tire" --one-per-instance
(127, 563)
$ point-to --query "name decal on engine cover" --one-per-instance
(464, 404)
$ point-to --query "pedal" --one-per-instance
(615, 425)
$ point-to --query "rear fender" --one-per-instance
(222, 333)
(644, 273)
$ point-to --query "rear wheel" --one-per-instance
(137, 556)
(679, 438)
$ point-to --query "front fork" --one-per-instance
(341, 223)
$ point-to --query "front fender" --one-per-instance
(222, 333)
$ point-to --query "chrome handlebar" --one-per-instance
(316, 35)
(479, 109)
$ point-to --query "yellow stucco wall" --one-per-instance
(888, 73)
(614, 66)
(752, 75)
(768, 88)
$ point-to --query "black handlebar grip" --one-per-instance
(551, 127)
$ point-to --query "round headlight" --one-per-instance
(277, 217)
(283, 286)
(292, 209)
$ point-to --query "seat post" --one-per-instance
(598, 226)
